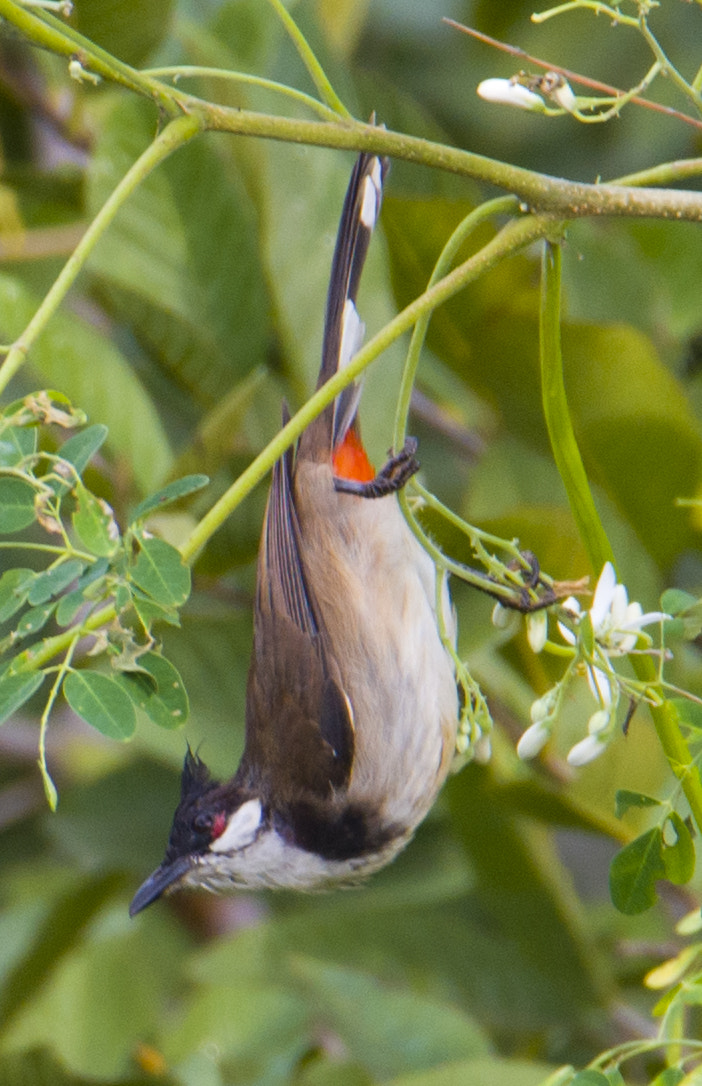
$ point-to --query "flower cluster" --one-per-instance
(609, 629)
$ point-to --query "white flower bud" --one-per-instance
(598, 722)
(507, 93)
(462, 742)
(533, 739)
(585, 751)
(564, 97)
(537, 630)
(482, 750)
(500, 617)
(542, 707)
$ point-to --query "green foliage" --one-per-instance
(489, 953)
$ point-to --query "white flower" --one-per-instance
(537, 630)
(586, 750)
(564, 97)
(507, 93)
(616, 623)
(533, 739)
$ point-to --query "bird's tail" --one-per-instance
(336, 432)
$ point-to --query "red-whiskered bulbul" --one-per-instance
(351, 706)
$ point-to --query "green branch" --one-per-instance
(540, 192)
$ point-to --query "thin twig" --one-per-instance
(572, 77)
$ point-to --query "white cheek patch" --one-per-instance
(352, 330)
(370, 204)
(241, 829)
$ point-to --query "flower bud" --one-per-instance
(542, 707)
(507, 93)
(533, 739)
(537, 630)
(482, 750)
(500, 617)
(564, 97)
(585, 751)
(598, 722)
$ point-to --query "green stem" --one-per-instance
(193, 70)
(667, 173)
(557, 415)
(503, 205)
(570, 466)
(577, 5)
(37, 656)
(667, 66)
(550, 195)
(175, 135)
(316, 72)
(665, 720)
(515, 236)
(49, 786)
(540, 192)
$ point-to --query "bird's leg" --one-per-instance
(391, 478)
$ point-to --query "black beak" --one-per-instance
(163, 878)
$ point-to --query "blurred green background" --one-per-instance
(489, 951)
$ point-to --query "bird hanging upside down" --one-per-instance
(351, 705)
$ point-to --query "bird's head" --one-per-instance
(212, 822)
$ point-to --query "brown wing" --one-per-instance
(299, 731)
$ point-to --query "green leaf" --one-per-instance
(160, 571)
(101, 702)
(189, 484)
(40, 1067)
(199, 305)
(672, 1076)
(130, 29)
(68, 607)
(149, 612)
(94, 524)
(483, 1071)
(16, 442)
(59, 933)
(541, 923)
(679, 857)
(162, 696)
(77, 451)
(674, 600)
(14, 586)
(634, 872)
(34, 620)
(54, 580)
(81, 359)
(16, 505)
(388, 1031)
(15, 690)
(589, 1078)
(689, 712)
(626, 800)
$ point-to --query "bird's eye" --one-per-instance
(203, 822)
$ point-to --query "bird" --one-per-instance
(351, 703)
